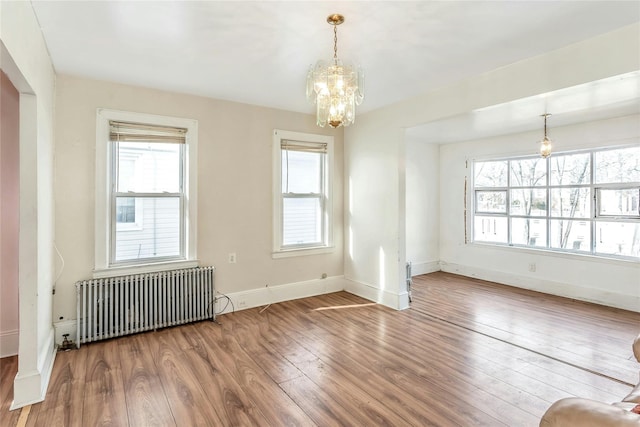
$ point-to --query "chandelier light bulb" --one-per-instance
(545, 144)
(545, 148)
(335, 87)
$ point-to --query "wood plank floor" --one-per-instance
(467, 353)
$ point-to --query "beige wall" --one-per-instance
(234, 185)
(9, 215)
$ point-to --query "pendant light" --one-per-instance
(545, 144)
(335, 87)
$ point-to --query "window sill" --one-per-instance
(302, 252)
(143, 268)
(583, 256)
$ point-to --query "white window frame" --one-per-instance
(104, 222)
(279, 250)
(593, 218)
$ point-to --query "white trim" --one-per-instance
(396, 301)
(424, 267)
(582, 256)
(272, 294)
(9, 342)
(143, 268)
(102, 184)
(278, 136)
(301, 252)
(36, 382)
(598, 296)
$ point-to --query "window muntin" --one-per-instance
(302, 204)
(584, 202)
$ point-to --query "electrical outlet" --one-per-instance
(242, 304)
(232, 258)
(532, 267)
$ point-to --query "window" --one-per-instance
(302, 197)
(145, 193)
(584, 202)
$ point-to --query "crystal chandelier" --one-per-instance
(545, 144)
(336, 88)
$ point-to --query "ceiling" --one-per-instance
(258, 52)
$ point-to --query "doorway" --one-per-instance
(9, 216)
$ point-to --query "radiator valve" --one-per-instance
(67, 344)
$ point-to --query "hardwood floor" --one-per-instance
(467, 353)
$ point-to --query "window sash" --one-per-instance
(147, 137)
(320, 149)
(114, 229)
(599, 201)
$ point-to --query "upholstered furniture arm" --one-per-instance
(574, 412)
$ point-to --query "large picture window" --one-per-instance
(302, 204)
(145, 192)
(583, 202)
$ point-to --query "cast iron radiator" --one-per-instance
(123, 305)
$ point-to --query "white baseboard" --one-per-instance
(380, 296)
(424, 267)
(279, 293)
(31, 387)
(598, 296)
(244, 300)
(9, 341)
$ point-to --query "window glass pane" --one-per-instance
(619, 202)
(490, 229)
(125, 210)
(157, 233)
(491, 201)
(528, 201)
(570, 169)
(529, 231)
(302, 221)
(572, 235)
(571, 202)
(490, 174)
(618, 238)
(148, 167)
(301, 172)
(528, 172)
(621, 165)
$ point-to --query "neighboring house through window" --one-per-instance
(303, 167)
(145, 192)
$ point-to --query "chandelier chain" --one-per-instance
(335, 43)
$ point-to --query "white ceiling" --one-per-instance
(258, 52)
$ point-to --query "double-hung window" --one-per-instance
(582, 202)
(145, 192)
(302, 202)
